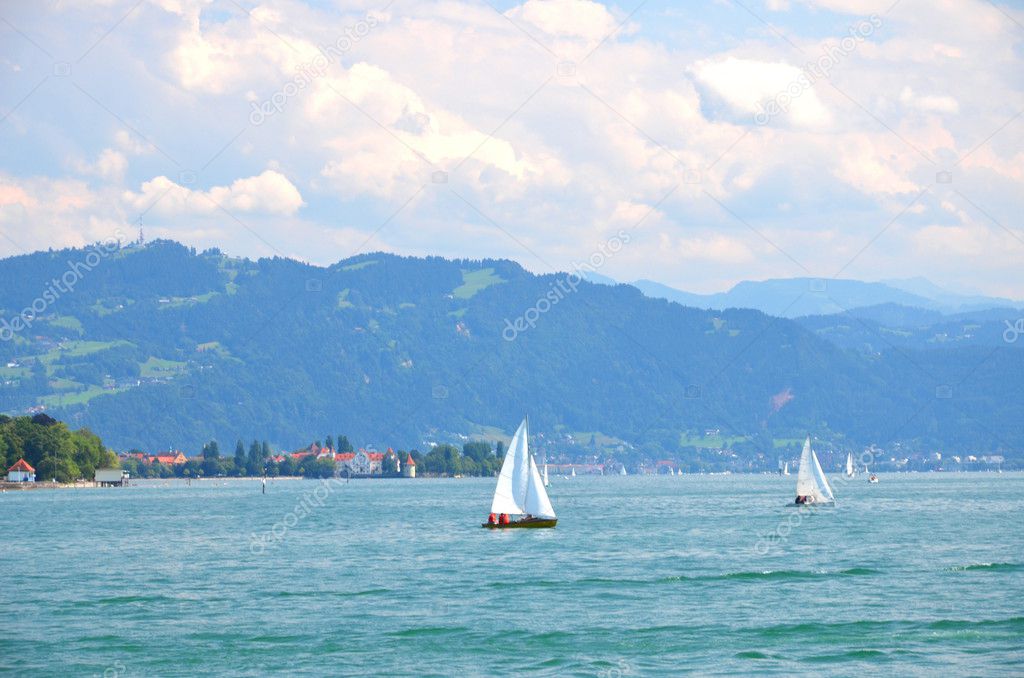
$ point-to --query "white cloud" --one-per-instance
(270, 192)
(929, 103)
(749, 85)
(110, 165)
(567, 18)
(130, 143)
(40, 213)
(666, 117)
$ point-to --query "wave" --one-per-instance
(842, 657)
(326, 594)
(1011, 623)
(123, 600)
(421, 631)
(851, 629)
(790, 574)
(989, 567)
(751, 575)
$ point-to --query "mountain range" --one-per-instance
(796, 297)
(162, 346)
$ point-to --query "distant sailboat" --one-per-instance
(785, 469)
(872, 478)
(520, 489)
(811, 485)
(622, 471)
(573, 474)
(547, 483)
(849, 466)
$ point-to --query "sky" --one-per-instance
(692, 143)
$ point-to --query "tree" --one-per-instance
(211, 459)
(344, 445)
(239, 457)
(255, 459)
(211, 450)
(329, 443)
(478, 451)
(390, 464)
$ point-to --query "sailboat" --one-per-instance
(785, 469)
(622, 471)
(872, 478)
(849, 465)
(520, 489)
(811, 485)
(547, 483)
(573, 474)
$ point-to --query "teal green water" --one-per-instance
(715, 575)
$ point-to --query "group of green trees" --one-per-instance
(475, 459)
(55, 451)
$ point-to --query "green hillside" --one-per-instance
(162, 345)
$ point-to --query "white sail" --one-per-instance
(622, 471)
(810, 480)
(849, 465)
(785, 469)
(537, 503)
(573, 474)
(546, 481)
(513, 477)
(520, 489)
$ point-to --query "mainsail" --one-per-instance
(849, 465)
(810, 480)
(520, 489)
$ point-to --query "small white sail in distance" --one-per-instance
(520, 489)
(810, 480)
(849, 465)
(547, 482)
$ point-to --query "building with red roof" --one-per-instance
(21, 472)
(409, 470)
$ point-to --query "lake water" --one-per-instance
(918, 575)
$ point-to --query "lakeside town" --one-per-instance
(44, 450)
(476, 458)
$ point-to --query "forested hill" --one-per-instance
(159, 345)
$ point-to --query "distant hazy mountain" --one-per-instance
(796, 297)
(873, 330)
(947, 300)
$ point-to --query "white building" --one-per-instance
(21, 472)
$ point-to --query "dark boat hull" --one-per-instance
(525, 522)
